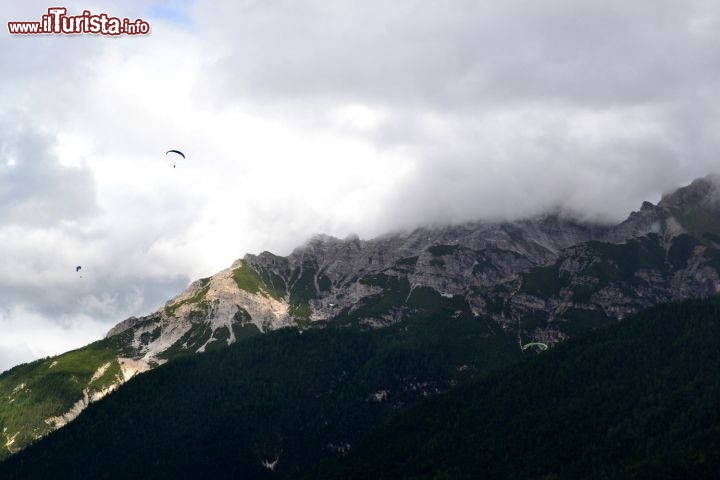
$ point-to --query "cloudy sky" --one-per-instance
(333, 116)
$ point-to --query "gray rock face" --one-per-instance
(546, 278)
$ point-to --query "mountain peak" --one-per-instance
(701, 192)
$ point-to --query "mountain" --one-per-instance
(634, 400)
(546, 278)
(540, 281)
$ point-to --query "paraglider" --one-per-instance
(178, 152)
(541, 345)
(77, 270)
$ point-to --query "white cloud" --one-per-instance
(28, 335)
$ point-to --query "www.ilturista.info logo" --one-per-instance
(57, 21)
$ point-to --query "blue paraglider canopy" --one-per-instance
(78, 268)
(178, 152)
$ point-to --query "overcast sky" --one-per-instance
(306, 116)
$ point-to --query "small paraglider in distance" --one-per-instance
(77, 270)
(178, 152)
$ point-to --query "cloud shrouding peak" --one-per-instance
(300, 117)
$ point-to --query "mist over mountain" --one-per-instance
(534, 283)
(309, 116)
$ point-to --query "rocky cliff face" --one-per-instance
(329, 278)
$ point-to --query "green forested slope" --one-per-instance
(638, 400)
(635, 400)
(288, 395)
(33, 396)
